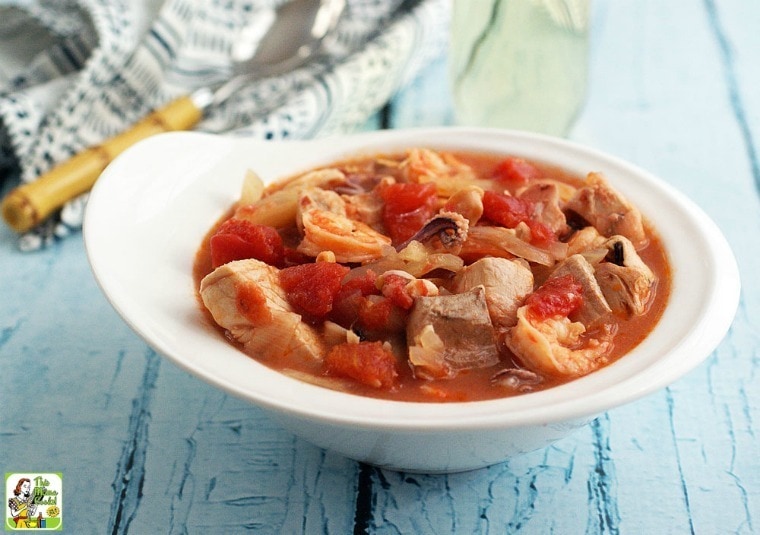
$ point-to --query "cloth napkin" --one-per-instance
(75, 72)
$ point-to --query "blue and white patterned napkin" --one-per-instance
(75, 72)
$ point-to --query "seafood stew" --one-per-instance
(434, 276)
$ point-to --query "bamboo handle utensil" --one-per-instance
(284, 39)
(28, 205)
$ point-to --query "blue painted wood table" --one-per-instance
(143, 447)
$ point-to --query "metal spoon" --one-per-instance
(275, 42)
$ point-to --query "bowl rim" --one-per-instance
(206, 184)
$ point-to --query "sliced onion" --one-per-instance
(252, 188)
(327, 178)
(445, 261)
(332, 383)
(414, 259)
(558, 250)
(500, 241)
(426, 354)
(594, 256)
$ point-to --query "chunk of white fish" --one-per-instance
(245, 298)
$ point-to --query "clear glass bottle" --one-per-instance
(519, 64)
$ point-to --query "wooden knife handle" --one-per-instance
(29, 204)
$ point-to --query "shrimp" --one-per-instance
(421, 163)
(326, 227)
(446, 171)
(554, 346)
(277, 205)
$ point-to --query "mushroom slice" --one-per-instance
(625, 280)
(507, 283)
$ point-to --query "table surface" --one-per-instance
(144, 447)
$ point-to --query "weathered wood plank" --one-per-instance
(661, 464)
(690, 123)
(678, 118)
(69, 354)
(143, 440)
(223, 465)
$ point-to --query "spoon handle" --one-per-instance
(28, 205)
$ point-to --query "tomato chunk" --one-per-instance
(380, 316)
(509, 211)
(506, 210)
(349, 298)
(237, 239)
(516, 172)
(407, 208)
(366, 362)
(359, 305)
(541, 234)
(365, 284)
(559, 296)
(394, 288)
(312, 288)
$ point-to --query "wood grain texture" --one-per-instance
(146, 448)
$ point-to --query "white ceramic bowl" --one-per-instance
(151, 208)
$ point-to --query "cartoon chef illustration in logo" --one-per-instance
(22, 504)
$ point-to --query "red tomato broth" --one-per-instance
(471, 384)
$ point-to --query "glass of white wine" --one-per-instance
(519, 64)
